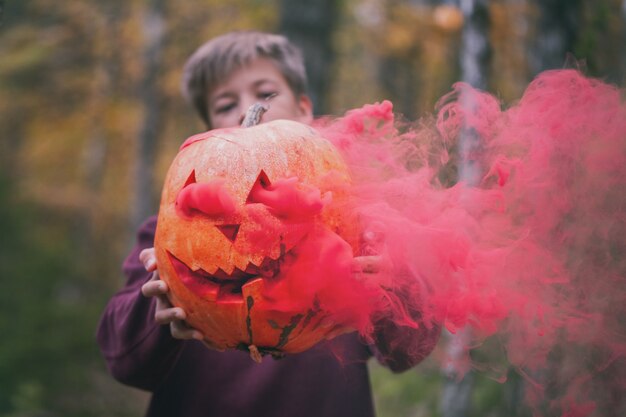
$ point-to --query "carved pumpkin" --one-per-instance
(219, 244)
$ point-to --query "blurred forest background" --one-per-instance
(91, 115)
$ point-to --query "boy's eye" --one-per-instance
(266, 95)
(224, 108)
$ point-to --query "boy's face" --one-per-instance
(258, 81)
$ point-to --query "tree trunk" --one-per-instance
(556, 34)
(618, 75)
(622, 81)
(458, 385)
(143, 199)
(397, 71)
(475, 49)
(310, 24)
(475, 62)
(398, 78)
(475, 56)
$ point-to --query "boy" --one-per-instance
(222, 79)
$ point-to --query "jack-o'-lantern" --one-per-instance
(219, 245)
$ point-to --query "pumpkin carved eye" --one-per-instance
(287, 198)
(191, 179)
(262, 183)
(208, 198)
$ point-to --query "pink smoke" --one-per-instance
(534, 253)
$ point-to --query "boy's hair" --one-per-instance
(214, 61)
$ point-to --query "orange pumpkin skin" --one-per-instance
(228, 316)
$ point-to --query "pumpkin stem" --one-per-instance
(255, 354)
(254, 114)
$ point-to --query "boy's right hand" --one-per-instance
(165, 313)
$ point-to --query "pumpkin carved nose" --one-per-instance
(229, 230)
(208, 198)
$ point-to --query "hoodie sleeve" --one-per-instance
(138, 351)
(404, 338)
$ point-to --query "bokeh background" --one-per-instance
(91, 115)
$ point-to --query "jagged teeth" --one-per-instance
(197, 269)
(228, 270)
(256, 265)
(256, 261)
(274, 257)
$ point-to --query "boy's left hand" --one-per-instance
(165, 313)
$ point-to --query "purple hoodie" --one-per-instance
(188, 380)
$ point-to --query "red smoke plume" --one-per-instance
(533, 251)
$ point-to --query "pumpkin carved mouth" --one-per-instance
(222, 285)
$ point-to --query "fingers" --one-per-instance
(154, 287)
(148, 259)
(372, 240)
(181, 330)
(165, 314)
(366, 264)
(372, 269)
(174, 317)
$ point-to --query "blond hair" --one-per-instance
(212, 63)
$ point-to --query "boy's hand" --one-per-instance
(370, 265)
(165, 313)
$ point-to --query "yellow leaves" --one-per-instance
(49, 156)
(448, 18)
(72, 74)
(405, 27)
(399, 38)
(28, 48)
(508, 35)
(419, 41)
(24, 51)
